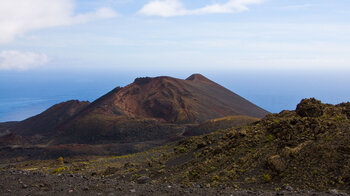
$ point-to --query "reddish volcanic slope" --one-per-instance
(193, 100)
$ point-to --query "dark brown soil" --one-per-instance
(34, 183)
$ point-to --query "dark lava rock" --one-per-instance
(142, 80)
(334, 192)
(346, 108)
(288, 188)
(276, 163)
(143, 180)
(310, 108)
(109, 171)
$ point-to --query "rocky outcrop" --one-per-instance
(310, 108)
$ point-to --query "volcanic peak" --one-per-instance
(198, 78)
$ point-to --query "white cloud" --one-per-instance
(20, 16)
(168, 8)
(16, 60)
(99, 14)
(297, 7)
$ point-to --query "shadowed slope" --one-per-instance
(11, 139)
(5, 127)
(47, 122)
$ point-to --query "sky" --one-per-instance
(272, 52)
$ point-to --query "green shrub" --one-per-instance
(215, 178)
(60, 161)
(246, 128)
(276, 121)
(338, 118)
(327, 138)
(270, 137)
(267, 178)
(58, 170)
(180, 149)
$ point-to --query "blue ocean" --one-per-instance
(24, 94)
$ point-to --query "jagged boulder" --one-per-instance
(276, 163)
(310, 108)
(345, 109)
(293, 152)
(143, 180)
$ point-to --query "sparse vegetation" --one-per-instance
(60, 161)
(215, 178)
(180, 149)
(58, 170)
(270, 137)
(267, 178)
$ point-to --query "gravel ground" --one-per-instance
(33, 183)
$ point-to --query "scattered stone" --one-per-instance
(243, 132)
(132, 190)
(201, 144)
(128, 164)
(251, 192)
(334, 191)
(288, 188)
(93, 174)
(292, 152)
(110, 171)
(24, 186)
(110, 190)
(143, 180)
(276, 163)
(70, 191)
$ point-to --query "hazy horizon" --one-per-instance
(274, 91)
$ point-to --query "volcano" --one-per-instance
(172, 100)
(146, 110)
